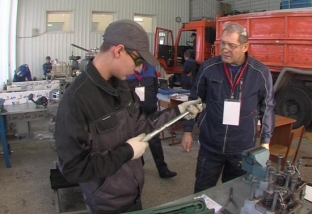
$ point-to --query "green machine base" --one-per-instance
(193, 207)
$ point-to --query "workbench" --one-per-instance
(220, 194)
(15, 110)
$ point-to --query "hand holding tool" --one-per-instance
(174, 120)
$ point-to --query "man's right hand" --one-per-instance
(187, 141)
(137, 145)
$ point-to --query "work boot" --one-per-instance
(166, 173)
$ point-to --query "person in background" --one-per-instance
(100, 125)
(145, 83)
(193, 37)
(47, 67)
(189, 70)
(22, 74)
(237, 89)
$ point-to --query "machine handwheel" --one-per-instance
(43, 101)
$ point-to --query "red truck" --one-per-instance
(282, 40)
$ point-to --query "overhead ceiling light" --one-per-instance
(138, 19)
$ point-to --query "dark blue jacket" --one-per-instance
(189, 66)
(22, 73)
(47, 68)
(257, 99)
(95, 118)
(148, 79)
(189, 71)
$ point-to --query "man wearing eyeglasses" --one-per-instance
(100, 125)
(237, 90)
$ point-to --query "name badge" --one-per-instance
(140, 91)
(231, 112)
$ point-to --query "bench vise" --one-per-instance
(254, 161)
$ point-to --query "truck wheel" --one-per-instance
(295, 103)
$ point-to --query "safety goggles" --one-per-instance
(138, 60)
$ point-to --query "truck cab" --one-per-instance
(170, 53)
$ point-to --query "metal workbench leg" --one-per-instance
(4, 142)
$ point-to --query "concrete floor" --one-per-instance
(25, 188)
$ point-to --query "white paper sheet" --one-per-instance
(308, 195)
(231, 113)
(210, 204)
(140, 91)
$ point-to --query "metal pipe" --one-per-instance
(287, 165)
(81, 48)
(299, 162)
(293, 183)
(279, 163)
(287, 178)
(270, 179)
(274, 200)
(253, 188)
(166, 125)
(267, 172)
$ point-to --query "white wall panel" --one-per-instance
(32, 15)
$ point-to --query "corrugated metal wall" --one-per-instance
(32, 15)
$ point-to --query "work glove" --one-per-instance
(193, 106)
(137, 145)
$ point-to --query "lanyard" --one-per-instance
(232, 83)
(139, 76)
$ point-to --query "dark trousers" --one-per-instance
(186, 82)
(209, 169)
(158, 153)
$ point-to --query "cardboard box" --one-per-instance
(225, 8)
(60, 70)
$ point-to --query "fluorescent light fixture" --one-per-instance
(138, 19)
(50, 25)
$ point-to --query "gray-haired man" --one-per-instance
(237, 89)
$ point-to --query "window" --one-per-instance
(59, 21)
(145, 21)
(100, 21)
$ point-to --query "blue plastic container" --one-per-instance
(290, 4)
(300, 3)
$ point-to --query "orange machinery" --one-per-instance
(282, 40)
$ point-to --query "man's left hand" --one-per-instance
(193, 106)
(265, 145)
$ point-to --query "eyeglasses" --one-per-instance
(231, 46)
(138, 60)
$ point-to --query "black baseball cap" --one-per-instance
(132, 35)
